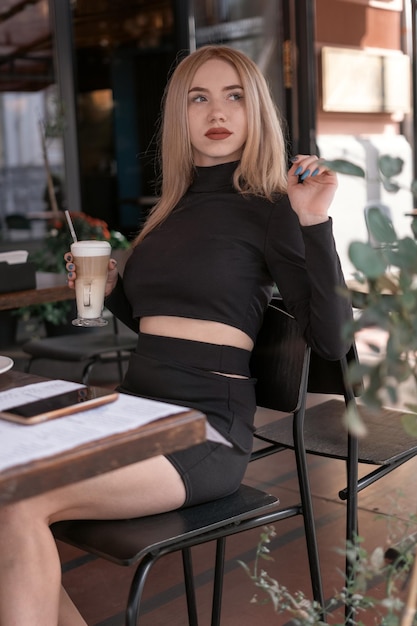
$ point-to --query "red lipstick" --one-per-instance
(218, 133)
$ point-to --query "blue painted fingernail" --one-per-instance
(298, 170)
(304, 176)
(71, 266)
(70, 274)
(316, 171)
(294, 159)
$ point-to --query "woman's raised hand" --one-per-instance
(111, 275)
(311, 189)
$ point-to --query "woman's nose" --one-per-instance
(217, 114)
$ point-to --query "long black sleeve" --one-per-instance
(305, 265)
(119, 305)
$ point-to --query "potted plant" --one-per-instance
(50, 258)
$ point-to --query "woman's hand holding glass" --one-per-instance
(111, 276)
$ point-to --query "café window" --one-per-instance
(28, 99)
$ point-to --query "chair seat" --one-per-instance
(126, 541)
(83, 348)
(325, 433)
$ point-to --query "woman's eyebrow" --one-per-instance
(227, 88)
(197, 89)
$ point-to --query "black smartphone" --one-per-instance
(57, 406)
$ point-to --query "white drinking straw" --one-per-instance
(71, 226)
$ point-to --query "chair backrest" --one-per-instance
(329, 377)
(285, 368)
(280, 361)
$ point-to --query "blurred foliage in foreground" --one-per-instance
(386, 265)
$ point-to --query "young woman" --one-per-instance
(229, 225)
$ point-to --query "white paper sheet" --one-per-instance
(22, 443)
(14, 256)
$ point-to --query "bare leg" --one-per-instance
(30, 570)
(68, 612)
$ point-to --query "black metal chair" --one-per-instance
(386, 446)
(144, 540)
(89, 348)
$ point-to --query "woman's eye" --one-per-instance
(199, 99)
(236, 96)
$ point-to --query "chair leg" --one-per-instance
(119, 356)
(352, 494)
(189, 587)
(86, 372)
(138, 584)
(136, 588)
(307, 507)
(311, 537)
(218, 581)
(351, 519)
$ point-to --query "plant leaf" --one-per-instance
(344, 167)
(380, 226)
(390, 185)
(367, 259)
(390, 166)
(354, 423)
(414, 188)
(405, 255)
(409, 421)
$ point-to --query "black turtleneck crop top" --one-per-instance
(217, 257)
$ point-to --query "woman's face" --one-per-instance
(217, 114)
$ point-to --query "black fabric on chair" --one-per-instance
(144, 540)
(107, 346)
(386, 445)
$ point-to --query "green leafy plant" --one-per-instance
(389, 272)
(388, 168)
(387, 268)
(389, 566)
(297, 605)
(50, 258)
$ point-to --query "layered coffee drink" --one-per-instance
(91, 259)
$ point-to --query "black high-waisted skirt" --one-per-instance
(181, 372)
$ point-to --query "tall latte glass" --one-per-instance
(91, 260)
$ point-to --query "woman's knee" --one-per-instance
(24, 513)
(14, 517)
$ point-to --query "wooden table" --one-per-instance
(50, 287)
(159, 437)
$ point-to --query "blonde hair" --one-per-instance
(262, 169)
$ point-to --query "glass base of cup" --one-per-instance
(89, 323)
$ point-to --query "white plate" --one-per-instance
(5, 364)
